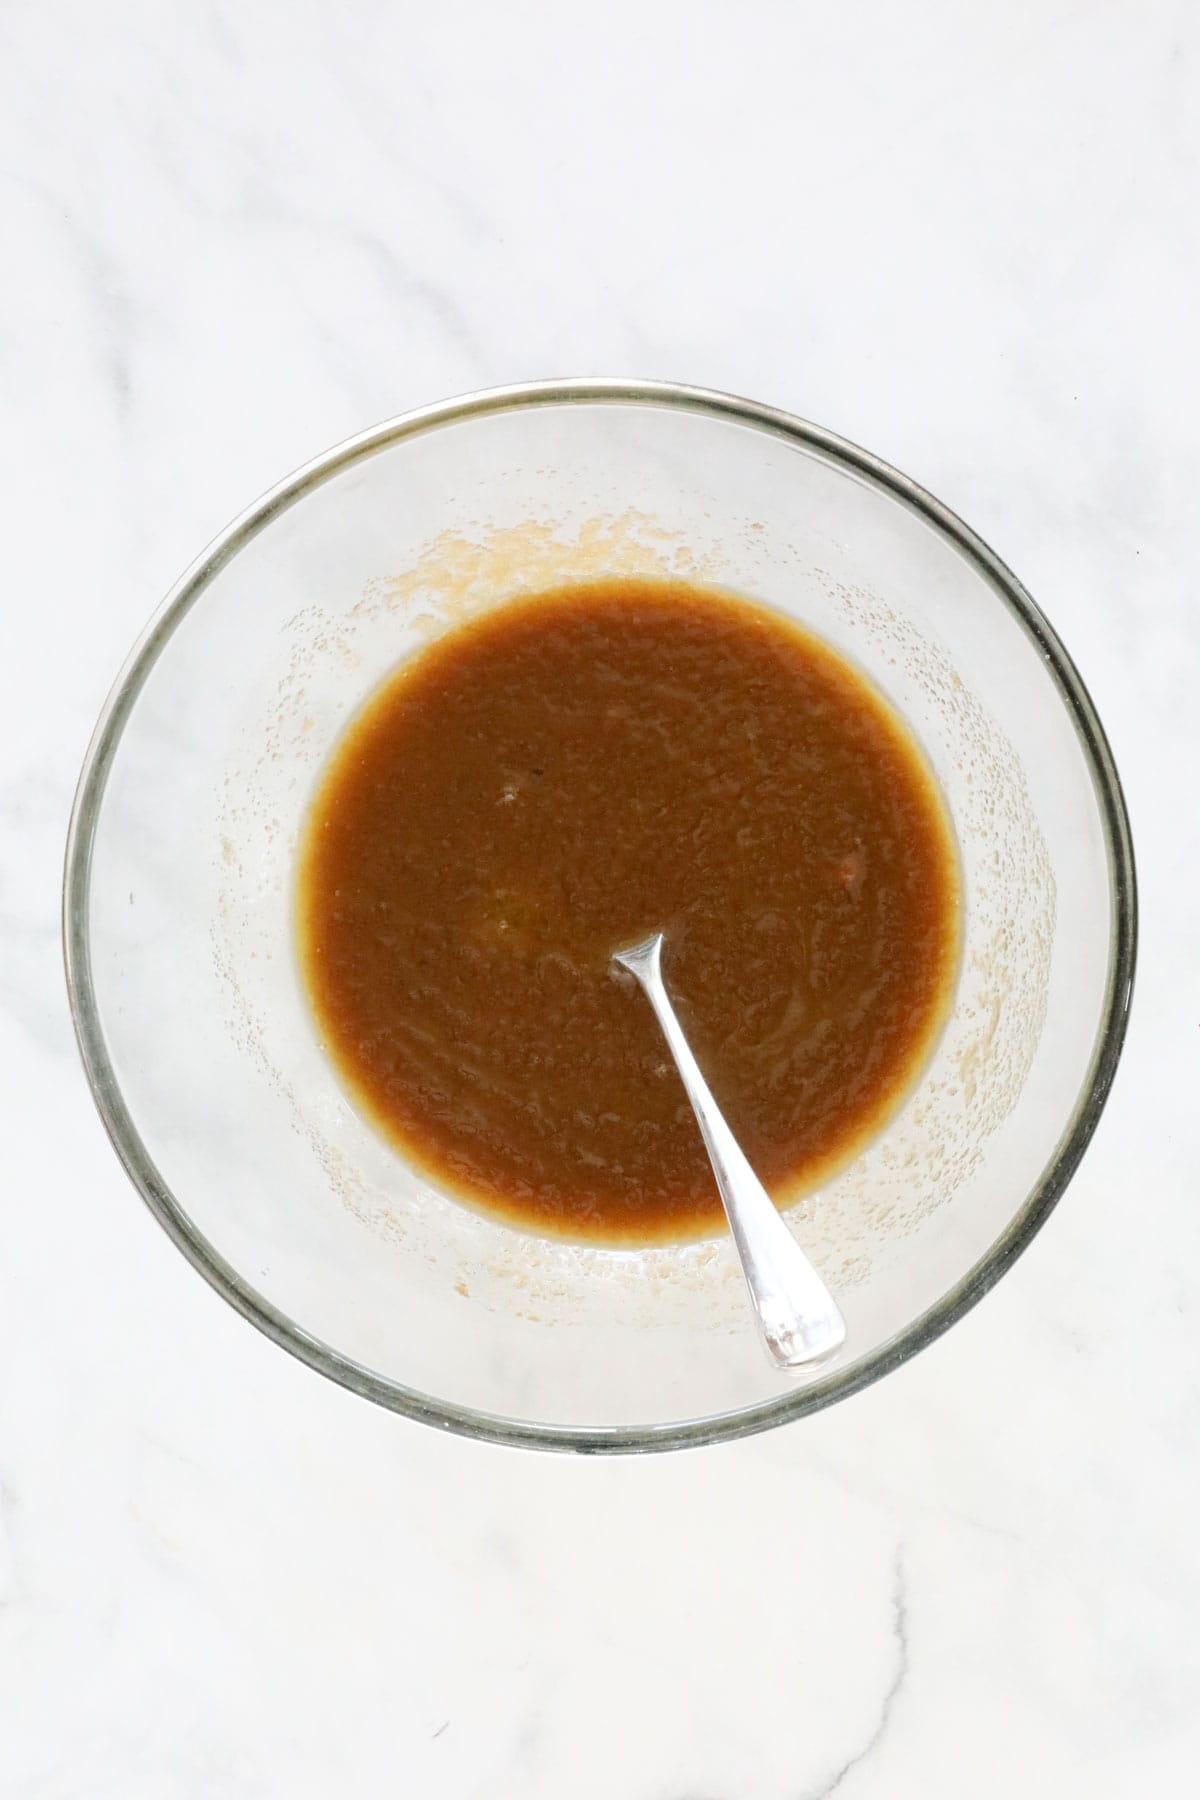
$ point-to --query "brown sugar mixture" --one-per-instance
(560, 778)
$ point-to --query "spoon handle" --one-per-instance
(797, 1314)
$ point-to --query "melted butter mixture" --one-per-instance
(557, 779)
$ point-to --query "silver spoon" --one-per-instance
(797, 1315)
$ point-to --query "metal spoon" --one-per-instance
(797, 1315)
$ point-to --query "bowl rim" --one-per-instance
(286, 1332)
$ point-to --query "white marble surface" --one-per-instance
(966, 237)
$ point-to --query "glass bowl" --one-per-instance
(178, 911)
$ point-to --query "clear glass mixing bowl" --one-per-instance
(177, 914)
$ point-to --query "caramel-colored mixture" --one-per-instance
(553, 782)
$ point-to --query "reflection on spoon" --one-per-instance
(797, 1314)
